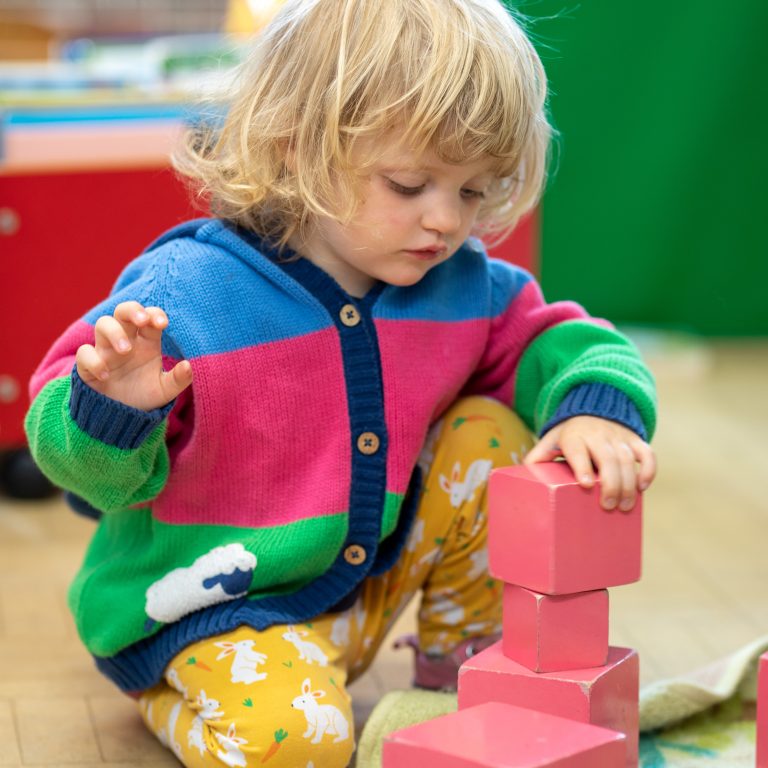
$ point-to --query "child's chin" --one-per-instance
(405, 279)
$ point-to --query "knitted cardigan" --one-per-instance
(298, 438)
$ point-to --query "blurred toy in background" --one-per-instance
(246, 17)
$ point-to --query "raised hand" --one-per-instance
(126, 364)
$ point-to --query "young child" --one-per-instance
(284, 416)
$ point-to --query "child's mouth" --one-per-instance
(426, 254)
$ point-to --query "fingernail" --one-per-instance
(104, 375)
(643, 486)
(140, 317)
(609, 503)
(586, 478)
(626, 505)
(123, 345)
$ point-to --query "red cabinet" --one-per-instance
(64, 238)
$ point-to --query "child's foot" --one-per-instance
(440, 673)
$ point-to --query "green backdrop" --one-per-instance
(655, 213)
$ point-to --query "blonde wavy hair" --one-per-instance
(459, 77)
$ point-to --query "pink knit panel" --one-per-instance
(61, 356)
(510, 335)
(425, 364)
(270, 442)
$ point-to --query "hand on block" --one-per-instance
(551, 633)
(548, 534)
(607, 696)
(497, 735)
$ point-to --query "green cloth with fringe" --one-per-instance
(705, 718)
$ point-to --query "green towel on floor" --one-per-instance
(399, 709)
(663, 704)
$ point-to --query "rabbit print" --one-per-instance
(309, 652)
(208, 711)
(244, 662)
(464, 490)
(230, 752)
(340, 631)
(322, 719)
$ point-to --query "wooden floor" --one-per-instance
(704, 592)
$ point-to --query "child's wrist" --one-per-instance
(108, 420)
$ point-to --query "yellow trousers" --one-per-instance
(278, 697)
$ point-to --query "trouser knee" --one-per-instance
(484, 418)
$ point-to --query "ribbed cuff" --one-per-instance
(111, 421)
(601, 400)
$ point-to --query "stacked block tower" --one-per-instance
(552, 692)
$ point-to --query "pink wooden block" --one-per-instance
(548, 534)
(607, 696)
(497, 735)
(550, 633)
(762, 713)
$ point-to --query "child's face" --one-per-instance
(415, 212)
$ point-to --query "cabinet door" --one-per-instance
(64, 238)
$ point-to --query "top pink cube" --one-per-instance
(547, 534)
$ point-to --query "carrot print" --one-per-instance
(193, 662)
(457, 422)
(280, 736)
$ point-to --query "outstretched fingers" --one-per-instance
(91, 366)
(175, 381)
(125, 362)
(156, 323)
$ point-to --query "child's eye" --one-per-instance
(402, 190)
(472, 194)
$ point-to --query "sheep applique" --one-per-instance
(220, 575)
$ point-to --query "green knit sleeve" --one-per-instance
(578, 352)
(107, 476)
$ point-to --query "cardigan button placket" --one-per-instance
(349, 315)
(368, 443)
(354, 554)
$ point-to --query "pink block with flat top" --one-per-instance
(762, 712)
(548, 534)
(497, 735)
(607, 696)
(550, 633)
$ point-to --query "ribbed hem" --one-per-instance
(143, 664)
(111, 421)
(601, 400)
(82, 507)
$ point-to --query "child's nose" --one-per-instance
(443, 217)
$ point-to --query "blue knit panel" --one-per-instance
(220, 294)
(601, 400)
(468, 286)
